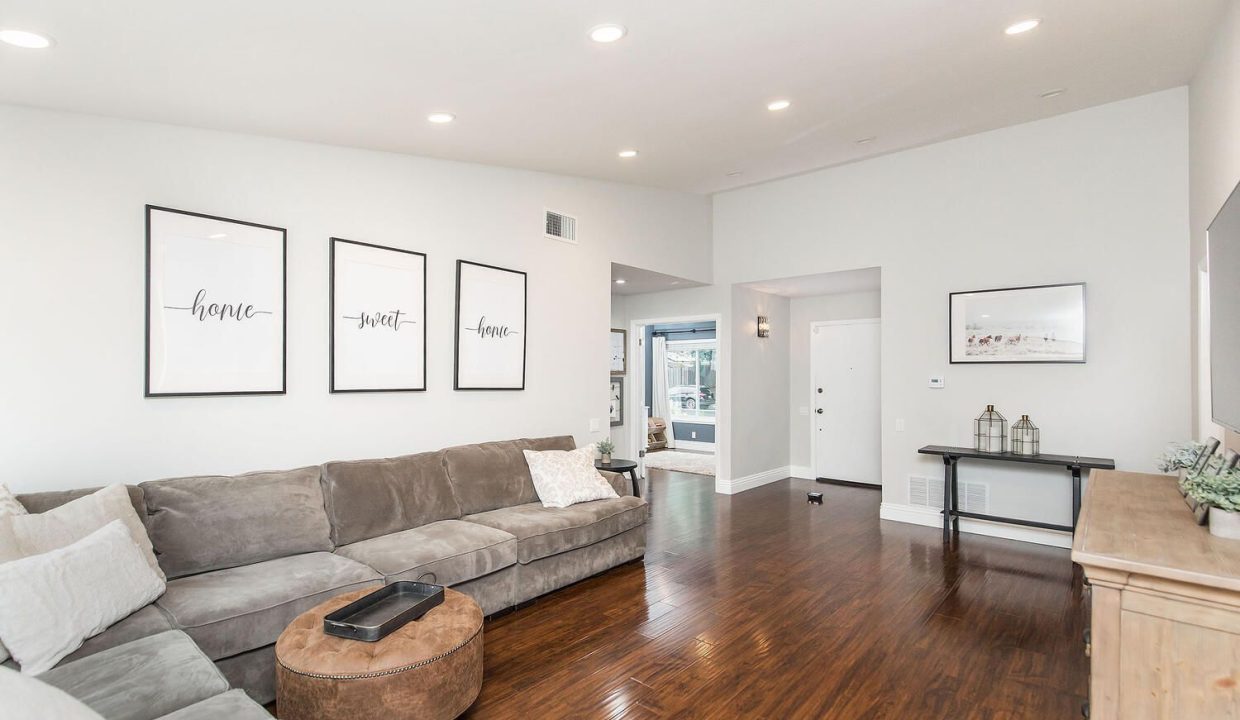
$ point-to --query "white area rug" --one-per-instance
(696, 463)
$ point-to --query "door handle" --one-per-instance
(819, 411)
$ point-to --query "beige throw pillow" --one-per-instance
(26, 535)
(51, 603)
(8, 503)
(567, 477)
(28, 699)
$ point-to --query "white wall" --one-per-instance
(71, 295)
(806, 310)
(1214, 111)
(1099, 195)
(759, 402)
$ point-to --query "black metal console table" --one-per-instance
(951, 510)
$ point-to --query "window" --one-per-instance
(691, 380)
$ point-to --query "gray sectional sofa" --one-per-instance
(246, 554)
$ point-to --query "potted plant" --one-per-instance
(605, 448)
(1178, 458)
(1220, 491)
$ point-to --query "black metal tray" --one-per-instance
(375, 616)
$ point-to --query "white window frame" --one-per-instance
(705, 344)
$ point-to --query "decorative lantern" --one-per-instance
(1024, 437)
(990, 431)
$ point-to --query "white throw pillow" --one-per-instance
(8, 503)
(61, 526)
(28, 699)
(567, 477)
(51, 603)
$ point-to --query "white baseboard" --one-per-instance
(749, 482)
(805, 472)
(930, 517)
(694, 445)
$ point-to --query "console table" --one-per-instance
(951, 455)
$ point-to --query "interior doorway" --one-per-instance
(845, 397)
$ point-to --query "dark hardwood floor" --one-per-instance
(760, 605)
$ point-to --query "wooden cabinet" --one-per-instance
(1165, 605)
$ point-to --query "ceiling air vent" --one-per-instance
(561, 227)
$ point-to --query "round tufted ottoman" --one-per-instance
(430, 669)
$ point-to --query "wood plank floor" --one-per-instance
(760, 605)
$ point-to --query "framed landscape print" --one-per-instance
(490, 327)
(378, 318)
(619, 347)
(616, 412)
(1041, 324)
(215, 305)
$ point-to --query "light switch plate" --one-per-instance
(593, 424)
(936, 382)
(899, 424)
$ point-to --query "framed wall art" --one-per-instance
(215, 305)
(490, 327)
(378, 318)
(1039, 324)
(616, 412)
(619, 348)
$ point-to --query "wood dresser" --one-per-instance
(1165, 603)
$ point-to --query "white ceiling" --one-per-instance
(844, 281)
(688, 86)
(638, 281)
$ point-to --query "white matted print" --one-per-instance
(215, 315)
(1017, 325)
(490, 327)
(378, 318)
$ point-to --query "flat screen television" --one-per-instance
(1224, 265)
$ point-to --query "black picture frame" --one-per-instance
(456, 327)
(951, 329)
(331, 339)
(617, 385)
(146, 380)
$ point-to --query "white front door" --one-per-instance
(844, 407)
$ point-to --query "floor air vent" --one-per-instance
(561, 227)
(928, 492)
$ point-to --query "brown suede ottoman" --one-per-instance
(430, 669)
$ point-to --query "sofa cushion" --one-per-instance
(542, 531)
(28, 699)
(141, 680)
(232, 705)
(238, 609)
(453, 551)
(494, 475)
(198, 524)
(41, 502)
(369, 498)
(148, 621)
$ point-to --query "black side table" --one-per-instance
(621, 466)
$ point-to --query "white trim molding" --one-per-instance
(749, 482)
(930, 517)
(696, 445)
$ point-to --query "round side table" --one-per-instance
(621, 466)
(430, 669)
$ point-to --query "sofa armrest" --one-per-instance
(622, 484)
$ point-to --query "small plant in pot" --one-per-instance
(606, 448)
(1178, 458)
(1220, 491)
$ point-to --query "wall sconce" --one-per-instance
(764, 326)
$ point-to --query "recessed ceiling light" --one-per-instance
(777, 105)
(866, 140)
(1023, 26)
(25, 39)
(607, 33)
(733, 173)
(1053, 93)
(620, 281)
(627, 153)
(440, 118)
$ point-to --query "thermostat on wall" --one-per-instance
(936, 381)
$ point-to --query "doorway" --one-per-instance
(845, 400)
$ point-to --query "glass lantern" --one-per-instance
(1024, 437)
(990, 431)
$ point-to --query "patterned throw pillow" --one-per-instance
(9, 504)
(567, 477)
